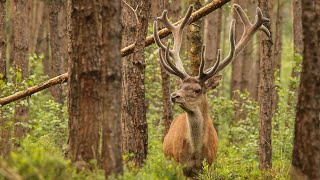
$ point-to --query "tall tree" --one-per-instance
(55, 44)
(212, 33)
(297, 44)
(3, 42)
(265, 94)
(133, 116)
(248, 58)
(167, 115)
(306, 151)
(237, 63)
(277, 49)
(195, 38)
(111, 83)
(20, 57)
(4, 129)
(42, 39)
(85, 77)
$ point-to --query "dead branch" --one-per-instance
(205, 10)
(31, 90)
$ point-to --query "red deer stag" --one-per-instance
(192, 137)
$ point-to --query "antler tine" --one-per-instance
(210, 72)
(250, 30)
(187, 18)
(156, 36)
(181, 74)
(177, 36)
(164, 65)
(201, 72)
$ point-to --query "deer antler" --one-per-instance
(177, 31)
(249, 30)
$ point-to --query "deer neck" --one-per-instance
(197, 124)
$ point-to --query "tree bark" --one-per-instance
(248, 58)
(297, 46)
(133, 117)
(195, 39)
(42, 40)
(306, 151)
(20, 59)
(85, 76)
(237, 66)
(212, 32)
(237, 62)
(265, 94)
(111, 86)
(277, 51)
(5, 130)
(3, 42)
(167, 114)
(55, 44)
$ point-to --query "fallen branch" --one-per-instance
(205, 10)
(31, 90)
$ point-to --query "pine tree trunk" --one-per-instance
(84, 81)
(111, 86)
(167, 114)
(20, 59)
(277, 50)
(195, 39)
(306, 151)
(298, 49)
(237, 64)
(42, 44)
(3, 42)
(265, 94)
(5, 130)
(256, 73)
(63, 38)
(56, 54)
(133, 116)
(248, 58)
(212, 32)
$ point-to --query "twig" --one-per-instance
(134, 10)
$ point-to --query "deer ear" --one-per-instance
(212, 83)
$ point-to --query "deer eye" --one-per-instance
(197, 91)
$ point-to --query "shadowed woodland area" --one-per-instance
(162, 89)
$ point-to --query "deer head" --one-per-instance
(193, 89)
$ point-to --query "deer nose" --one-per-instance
(174, 97)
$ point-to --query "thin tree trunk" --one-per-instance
(63, 38)
(306, 151)
(265, 94)
(110, 86)
(5, 130)
(195, 39)
(133, 117)
(298, 49)
(248, 58)
(167, 114)
(85, 75)
(212, 33)
(3, 42)
(256, 73)
(20, 59)
(56, 54)
(277, 50)
(237, 63)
